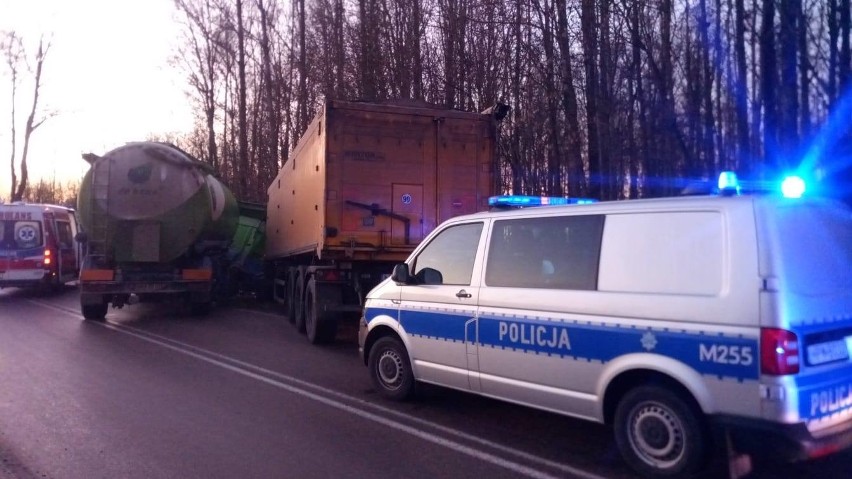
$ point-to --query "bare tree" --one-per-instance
(15, 55)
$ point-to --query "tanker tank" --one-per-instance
(152, 202)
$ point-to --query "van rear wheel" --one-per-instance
(390, 369)
(659, 434)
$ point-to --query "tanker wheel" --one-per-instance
(299, 304)
(290, 295)
(95, 312)
(318, 331)
(201, 308)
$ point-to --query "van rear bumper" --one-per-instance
(787, 442)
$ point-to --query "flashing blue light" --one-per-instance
(728, 182)
(793, 187)
(520, 201)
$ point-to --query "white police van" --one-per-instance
(663, 317)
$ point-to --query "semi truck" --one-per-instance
(363, 186)
(156, 225)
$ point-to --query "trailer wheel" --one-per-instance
(318, 331)
(299, 304)
(390, 369)
(95, 312)
(290, 295)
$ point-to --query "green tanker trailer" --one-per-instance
(157, 225)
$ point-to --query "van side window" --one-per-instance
(449, 257)
(559, 252)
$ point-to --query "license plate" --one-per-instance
(829, 351)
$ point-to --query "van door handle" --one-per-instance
(463, 294)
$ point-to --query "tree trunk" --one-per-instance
(845, 49)
(589, 27)
(788, 101)
(243, 171)
(576, 172)
(743, 150)
(32, 124)
(768, 82)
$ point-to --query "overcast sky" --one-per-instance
(106, 80)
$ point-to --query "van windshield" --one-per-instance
(815, 246)
(20, 234)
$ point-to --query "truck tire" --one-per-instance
(94, 312)
(659, 434)
(318, 332)
(200, 308)
(299, 303)
(390, 369)
(290, 295)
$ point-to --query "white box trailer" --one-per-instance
(364, 185)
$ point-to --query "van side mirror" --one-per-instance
(401, 274)
(81, 237)
(429, 276)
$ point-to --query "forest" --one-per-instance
(609, 99)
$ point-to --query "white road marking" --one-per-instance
(262, 374)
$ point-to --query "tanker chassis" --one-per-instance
(363, 186)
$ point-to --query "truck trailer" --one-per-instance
(156, 226)
(363, 186)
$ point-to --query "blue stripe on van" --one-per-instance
(708, 353)
(372, 313)
(712, 354)
(825, 394)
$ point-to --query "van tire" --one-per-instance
(659, 434)
(390, 369)
(95, 312)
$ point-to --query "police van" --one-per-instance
(665, 318)
(37, 246)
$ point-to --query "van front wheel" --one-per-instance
(659, 434)
(390, 369)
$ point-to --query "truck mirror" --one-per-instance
(401, 274)
(81, 237)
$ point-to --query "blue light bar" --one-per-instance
(793, 187)
(521, 201)
(729, 183)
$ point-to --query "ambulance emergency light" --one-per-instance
(521, 201)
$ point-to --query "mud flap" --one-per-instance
(739, 464)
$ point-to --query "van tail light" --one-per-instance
(48, 257)
(779, 352)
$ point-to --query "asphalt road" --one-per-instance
(155, 393)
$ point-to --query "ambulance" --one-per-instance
(669, 319)
(37, 245)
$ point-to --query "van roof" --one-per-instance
(647, 204)
(36, 206)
